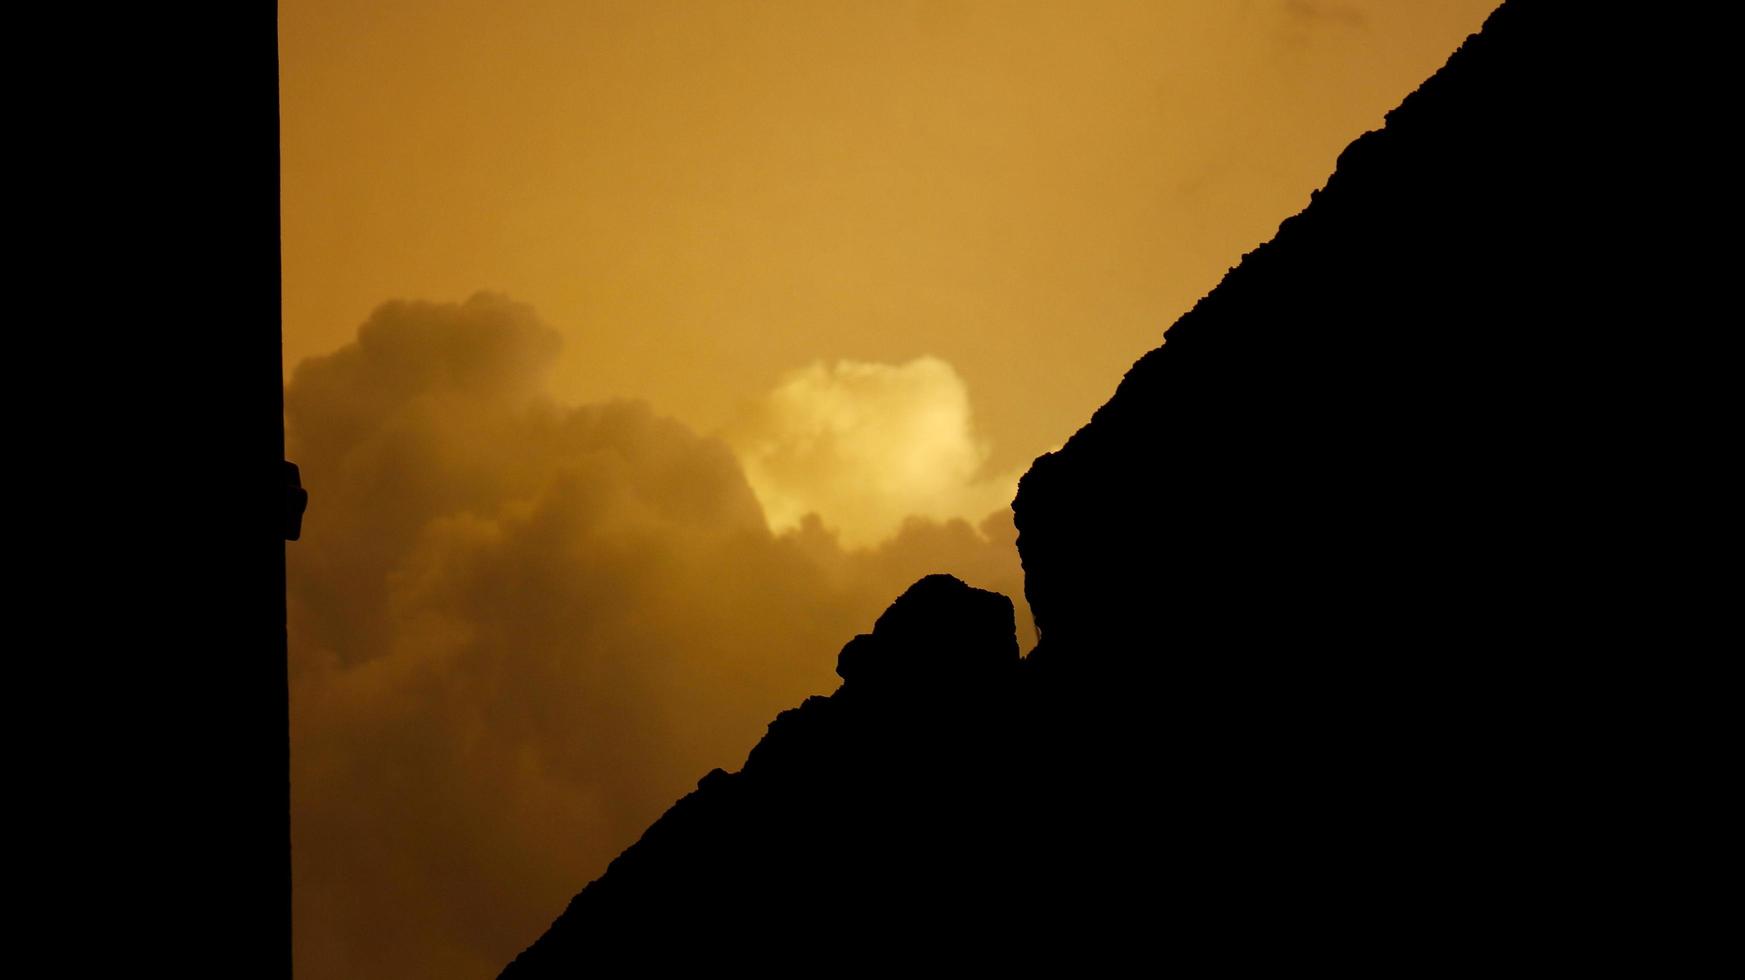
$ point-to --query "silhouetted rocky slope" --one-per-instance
(1314, 591)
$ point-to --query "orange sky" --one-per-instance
(860, 259)
(702, 196)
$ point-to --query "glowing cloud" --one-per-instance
(520, 629)
(866, 446)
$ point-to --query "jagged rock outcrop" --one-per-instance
(1309, 589)
(1341, 442)
(897, 789)
(941, 636)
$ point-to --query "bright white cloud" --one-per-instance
(865, 446)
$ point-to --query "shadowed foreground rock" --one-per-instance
(902, 777)
(1317, 593)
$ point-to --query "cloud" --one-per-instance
(520, 630)
(867, 446)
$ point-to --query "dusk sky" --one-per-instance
(638, 354)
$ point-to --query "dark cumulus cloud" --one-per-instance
(520, 629)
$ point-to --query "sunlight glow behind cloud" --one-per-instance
(865, 446)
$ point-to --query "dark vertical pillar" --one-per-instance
(146, 560)
(276, 730)
(267, 361)
(232, 185)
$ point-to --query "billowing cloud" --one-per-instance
(519, 629)
(867, 446)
